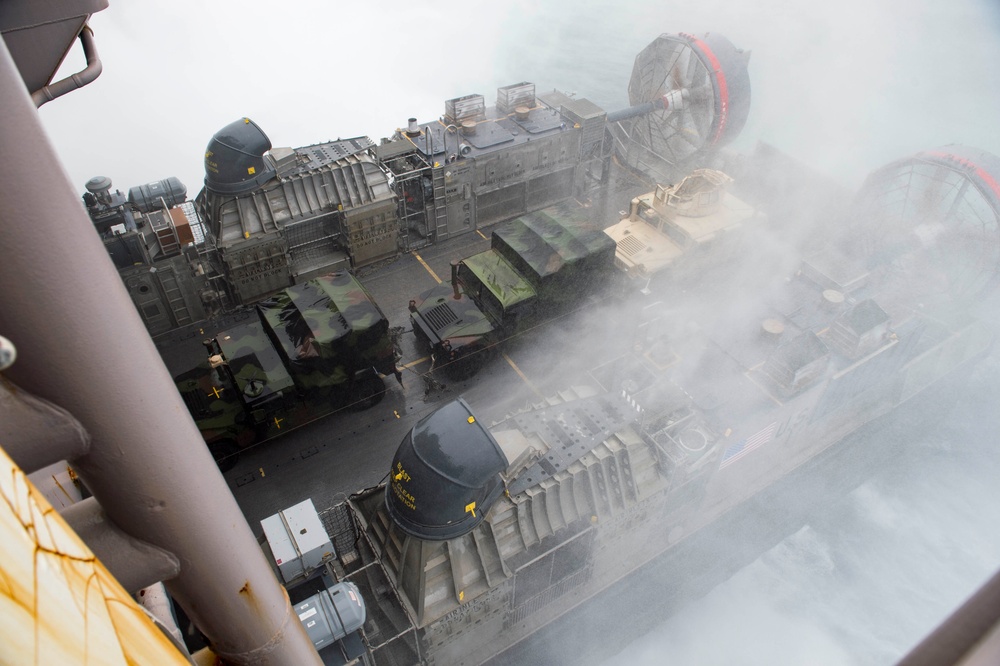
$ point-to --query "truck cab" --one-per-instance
(537, 265)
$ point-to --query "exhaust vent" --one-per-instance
(234, 159)
(445, 475)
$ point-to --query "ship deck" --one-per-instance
(332, 457)
(338, 455)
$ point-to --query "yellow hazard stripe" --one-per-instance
(523, 377)
(429, 269)
(413, 363)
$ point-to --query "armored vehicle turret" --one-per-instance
(680, 231)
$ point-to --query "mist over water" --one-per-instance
(866, 578)
(844, 87)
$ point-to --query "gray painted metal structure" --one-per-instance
(66, 310)
(79, 366)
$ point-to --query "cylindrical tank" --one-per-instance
(147, 197)
(332, 613)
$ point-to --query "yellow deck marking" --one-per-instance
(429, 269)
(522, 376)
(481, 234)
(413, 363)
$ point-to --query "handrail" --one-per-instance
(74, 81)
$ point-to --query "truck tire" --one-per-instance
(463, 368)
(469, 364)
(225, 452)
(368, 392)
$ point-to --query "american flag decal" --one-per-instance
(745, 446)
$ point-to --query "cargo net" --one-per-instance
(340, 526)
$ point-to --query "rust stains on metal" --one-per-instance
(60, 604)
(247, 592)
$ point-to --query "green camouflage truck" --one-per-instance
(310, 350)
(537, 265)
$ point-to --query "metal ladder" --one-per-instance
(440, 203)
(175, 299)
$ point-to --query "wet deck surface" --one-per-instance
(348, 451)
(345, 452)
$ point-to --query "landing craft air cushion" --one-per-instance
(481, 534)
(566, 498)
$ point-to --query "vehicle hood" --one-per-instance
(441, 316)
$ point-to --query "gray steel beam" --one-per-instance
(35, 433)
(135, 564)
(82, 346)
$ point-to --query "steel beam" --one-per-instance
(82, 346)
(135, 564)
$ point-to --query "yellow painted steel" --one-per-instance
(413, 363)
(523, 377)
(58, 603)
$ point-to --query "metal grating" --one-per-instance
(440, 316)
(543, 599)
(469, 107)
(512, 96)
(570, 430)
(631, 246)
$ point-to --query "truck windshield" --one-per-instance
(676, 235)
(480, 294)
(647, 213)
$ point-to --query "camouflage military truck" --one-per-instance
(537, 265)
(312, 349)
